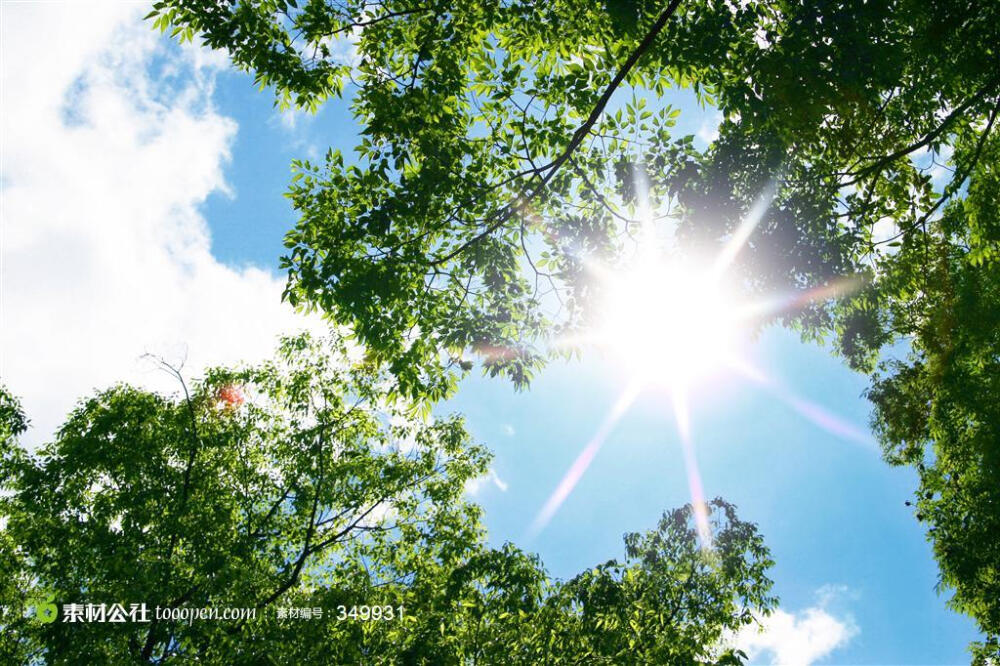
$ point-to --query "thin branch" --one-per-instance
(378, 19)
(956, 113)
(150, 643)
(957, 181)
(500, 217)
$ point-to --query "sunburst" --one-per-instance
(678, 326)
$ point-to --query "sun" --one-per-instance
(682, 325)
(668, 324)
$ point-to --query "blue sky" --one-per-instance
(854, 572)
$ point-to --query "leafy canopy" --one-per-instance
(937, 408)
(294, 483)
(506, 144)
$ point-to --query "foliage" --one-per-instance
(195, 502)
(494, 165)
(17, 636)
(938, 410)
(670, 600)
(312, 490)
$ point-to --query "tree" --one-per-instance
(670, 601)
(314, 490)
(938, 409)
(496, 152)
(197, 502)
(500, 152)
(17, 636)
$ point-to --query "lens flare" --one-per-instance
(683, 418)
(675, 326)
(582, 462)
(815, 413)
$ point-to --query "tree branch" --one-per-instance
(500, 217)
(883, 162)
(147, 648)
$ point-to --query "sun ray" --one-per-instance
(763, 308)
(812, 411)
(675, 326)
(582, 462)
(683, 417)
(742, 234)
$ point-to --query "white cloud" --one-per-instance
(830, 593)
(508, 430)
(289, 118)
(498, 482)
(799, 639)
(110, 143)
(709, 130)
(296, 123)
(474, 486)
(796, 639)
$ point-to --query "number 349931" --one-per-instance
(365, 613)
